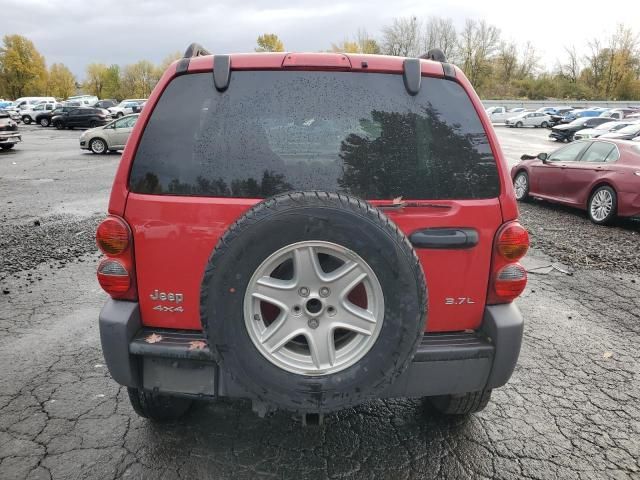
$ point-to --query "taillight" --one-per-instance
(508, 278)
(116, 272)
(113, 276)
(113, 236)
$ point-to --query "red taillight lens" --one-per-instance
(508, 278)
(513, 242)
(510, 281)
(116, 273)
(113, 236)
(114, 277)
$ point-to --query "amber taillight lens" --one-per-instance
(113, 236)
(513, 242)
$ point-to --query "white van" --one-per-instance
(25, 102)
(83, 100)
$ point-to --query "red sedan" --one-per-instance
(599, 176)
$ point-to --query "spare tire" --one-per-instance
(313, 302)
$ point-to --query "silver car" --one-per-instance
(529, 119)
(110, 137)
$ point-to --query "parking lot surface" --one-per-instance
(571, 410)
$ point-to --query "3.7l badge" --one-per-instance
(458, 301)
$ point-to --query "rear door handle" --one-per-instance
(445, 238)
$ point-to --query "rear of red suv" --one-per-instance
(311, 231)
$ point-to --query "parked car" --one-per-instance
(9, 134)
(500, 114)
(83, 100)
(627, 133)
(601, 129)
(12, 112)
(562, 133)
(138, 108)
(106, 104)
(529, 119)
(26, 102)
(580, 113)
(81, 117)
(599, 176)
(43, 118)
(255, 279)
(556, 118)
(617, 113)
(110, 138)
(30, 114)
(125, 107)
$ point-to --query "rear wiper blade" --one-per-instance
(396, 205)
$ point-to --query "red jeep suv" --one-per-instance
(311, 231)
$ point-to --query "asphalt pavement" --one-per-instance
(571, 409)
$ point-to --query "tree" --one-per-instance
(111, 86)
(477, 44)
(139, 79)
(96, 79)
(571, 69)
(62, 83)
(22, 68)
(439, 33)
(402, 37)
(269, 42)
(362, 44)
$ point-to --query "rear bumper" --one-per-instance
(180, 362)
(9, 137)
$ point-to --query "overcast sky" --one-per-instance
(77, 32)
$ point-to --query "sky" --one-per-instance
(78, 32)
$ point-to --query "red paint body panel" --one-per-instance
(174, 236)
(171, 254)
(571, 183)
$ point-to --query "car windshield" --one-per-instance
(358, 133)
(4, 114)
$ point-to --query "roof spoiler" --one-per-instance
(221, 65)
(193, 50)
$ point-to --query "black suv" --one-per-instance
(83, 117)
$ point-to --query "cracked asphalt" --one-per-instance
(571, 409)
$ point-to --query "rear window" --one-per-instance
(271, 132)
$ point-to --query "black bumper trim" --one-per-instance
(444, 363)
(178, 344)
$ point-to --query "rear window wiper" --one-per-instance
(398, 203)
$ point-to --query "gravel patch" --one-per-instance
(57, 240)
(568, 236)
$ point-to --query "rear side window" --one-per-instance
(597, 152)
(271, 132)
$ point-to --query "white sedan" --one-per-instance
(529, 119)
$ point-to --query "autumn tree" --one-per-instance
(362, 43)
(22, 68)
(139, 79)
(61, 82)
(111, 85)
(96, 79)
(269, 42)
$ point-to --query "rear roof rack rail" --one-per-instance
(438, 55)
(193, 50)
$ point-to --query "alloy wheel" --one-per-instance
(314, 308)
(520, 185)
(601, 205)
